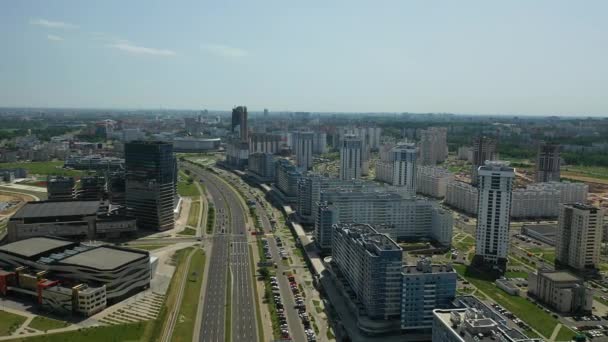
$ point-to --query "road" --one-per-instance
(296, 329)
(229, 258)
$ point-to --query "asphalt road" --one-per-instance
(213, 318)
(296, 328)
(229, 257)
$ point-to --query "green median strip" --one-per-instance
(228, 312)
(184, 327)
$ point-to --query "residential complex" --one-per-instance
(493, 215)
(400, 167)
(286, 182)
(561, 291)
(151, 183)
(548, 162)
(484, 148)
(433, 181)
(433, 145)
(351, 150)
(303, 146)
(462, 196)
(262, 165)
(386, 295)
(399, 215)
(579, 235)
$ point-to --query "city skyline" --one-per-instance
(474, 58)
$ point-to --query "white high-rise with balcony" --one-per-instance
(493, 215)
(350, 157)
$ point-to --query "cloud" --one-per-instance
(54, 37)
(124, 45)
(225, 51)
(53, 24)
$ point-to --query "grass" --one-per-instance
(525, 310)
(54, 168)
(195, 207)
(9, 322)
(155, 330)
(45, 324)
(210, 219)
(148, 247)
(588, 171)
(188, 231)
(330, 335)
(186, 319)
(228, 327)
(186, 186)
(255, 296)
(112, 333)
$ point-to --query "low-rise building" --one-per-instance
(561, 291)
(76, 219)
(94, 162)
(66, 276)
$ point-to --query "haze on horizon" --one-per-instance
(476, 57)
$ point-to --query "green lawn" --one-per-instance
(43, 168)
(257, 301)
(525, 310)
(188, 231)
(44, 323)
(186, 187)
(184, 327)
(148, 247)
(9, 322)
(193, 214)
(112, 333)
(588, 171)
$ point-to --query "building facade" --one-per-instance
(425, 287)
(484, 148)
(262, 165)
(548, 162)
(579, 235)
(433, 145)
(303, 145)
(462, 196)
(151, 173)
(351, 150)
(493, 215)
(562, 291)
(433, 181)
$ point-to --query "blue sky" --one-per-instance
(515, 57)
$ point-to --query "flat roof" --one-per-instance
(103, 258)
(34, 246)
(560, 276)
(57, 208)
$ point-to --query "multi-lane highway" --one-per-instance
(229, 258)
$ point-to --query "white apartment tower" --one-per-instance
(350, 157)
(404, 166)
(579, 234)
(495, 181)
(303, 150)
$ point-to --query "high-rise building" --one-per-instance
(433, 145)
(493, 215)
(578, 239)
(264, 143)
(239, 118)
(350, 157)
(91, 188)
(396, 214)
(404, 166)
(60, 188)
(547, 162)
(150, 183)
(262, 165)
(425, 287)
(484, 148)
(303, 150)
(371, 264)
(319, 143)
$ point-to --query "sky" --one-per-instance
(544, 57)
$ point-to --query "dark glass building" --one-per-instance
(150, 168)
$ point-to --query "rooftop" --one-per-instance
(57, 208)
(35, 246)
(104, 258)
(560, 276)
